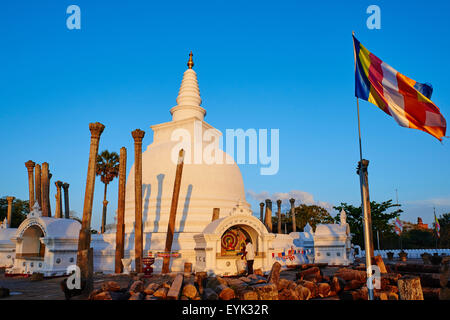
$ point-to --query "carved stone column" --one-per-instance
(30, 168)
(65, 187)
(85, 253)
(268, 217)
(279, 216)
(45, 182)
(37, 181)
(294, 226)
(9, 215)
(261, 211)
(216, 214)
(120, 230)
(58, 207)
(138, 135)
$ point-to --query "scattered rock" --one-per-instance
(266, 291)
(284, 284)
(102, 296)
(110, 286)
(137, 296)
(227, 294)
(248, 294)
(324, 289)
(313, 289)
(303, 293)
(137, 286)
(210, 294)
(288, 294)
(151, 288)
(274, 275)
(190, 291)
(161, 292)
(258, 272)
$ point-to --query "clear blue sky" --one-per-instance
(260, 64)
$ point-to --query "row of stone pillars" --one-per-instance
(39, 190)
(85, 252)
(266, 217)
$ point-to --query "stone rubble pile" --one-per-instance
(345, 284)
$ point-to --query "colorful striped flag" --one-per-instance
(437, 226)
(406, 100)
(398, 226)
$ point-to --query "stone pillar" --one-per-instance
(45, 182)
(37, 181)
(48, 194)
(30, 168)
(279, 216)
(294, 226)
(268, 217)
(261, 211)
(9, 215)
(216, 213)
(138, 135)
(65, 187)
(105, 205)
(120, 230)
(173, 211)
(58, 206)
(85, 252)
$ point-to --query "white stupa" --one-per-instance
(211, 246)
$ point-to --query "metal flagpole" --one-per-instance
(365, 202)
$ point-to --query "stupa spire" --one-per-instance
(188, 100)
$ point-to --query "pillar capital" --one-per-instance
(10, 199)
(292, 201)
(65, 186)
(362, 165)
(58, 184)
(268, 201)
(261, 204)
(279, 202)
(138, 135)
(96, 129)
(30, 165)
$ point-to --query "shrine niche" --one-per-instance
(233, 241)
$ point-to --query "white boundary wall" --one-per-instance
(412, 253)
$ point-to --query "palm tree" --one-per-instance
(107, 169)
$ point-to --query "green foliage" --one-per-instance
(20, 209)
(418, 239)
(107, 166)
(380, 219)
(444, 222)
(313, 215)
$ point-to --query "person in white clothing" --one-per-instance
(249, 255)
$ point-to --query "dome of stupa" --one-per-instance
(204, 185)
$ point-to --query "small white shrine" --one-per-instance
(7, 247)
(44, 245)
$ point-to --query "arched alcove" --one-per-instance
(31, 242)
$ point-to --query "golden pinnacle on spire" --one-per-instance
(190, 63)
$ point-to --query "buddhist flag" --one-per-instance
(406, 100)
(398, 226)
(437, 226)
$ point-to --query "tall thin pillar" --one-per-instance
(279, 216)
(261, 211)
(65, 187)
(58, 206)
(9, 215)
(294, 225)
(30, 168)
(85, 252)
(48, 194)
(120, 230)
(45, 182)
(173, 212)
(138, 135)
(37, 181)
(268, 217)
